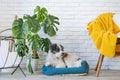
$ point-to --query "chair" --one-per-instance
(8, 56)
(115, 21)
(101, 58)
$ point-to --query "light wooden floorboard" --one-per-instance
(104, 75)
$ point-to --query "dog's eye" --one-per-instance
(57, 49)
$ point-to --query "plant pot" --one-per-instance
(34, 64)
(42, 59)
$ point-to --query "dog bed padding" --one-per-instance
(84, 68)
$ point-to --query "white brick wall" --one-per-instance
(74, 16)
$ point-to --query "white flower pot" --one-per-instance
(34, 64)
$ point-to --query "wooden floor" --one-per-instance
(104, 75)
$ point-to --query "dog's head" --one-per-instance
(56, 50)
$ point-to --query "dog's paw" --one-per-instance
(47, 64)
(77, 63)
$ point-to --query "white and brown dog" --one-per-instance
(59, 59)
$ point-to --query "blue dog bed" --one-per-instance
(48, 70)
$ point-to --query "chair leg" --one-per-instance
(99, 65)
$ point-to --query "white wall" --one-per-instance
(74, 16)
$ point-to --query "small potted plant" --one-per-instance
(30, 28)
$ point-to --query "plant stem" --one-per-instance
(34, 54)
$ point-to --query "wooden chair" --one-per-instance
(99, 64)
(101, 57)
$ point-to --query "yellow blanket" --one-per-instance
(103, 31)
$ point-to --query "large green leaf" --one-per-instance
(35, 41)
(50, 25)
(19, 28)
(45, 45)
(21, 48)
(30, 67)
(41, 13)
(33, 23)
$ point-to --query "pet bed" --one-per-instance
(84, 69)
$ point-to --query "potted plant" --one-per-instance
(29, 28)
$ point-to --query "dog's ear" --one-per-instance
(54, 48)
(62, 48)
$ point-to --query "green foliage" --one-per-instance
(32, 23)
(41, 13)
(30, 67)
(45, 44)
(21, 48)
(29, 27)
(50, 25)
(19, 28)
(34, 41)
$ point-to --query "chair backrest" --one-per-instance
(116, 19)
(8, 58)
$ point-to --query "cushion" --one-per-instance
(84, 68)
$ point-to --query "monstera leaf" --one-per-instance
(30, 67)
(35, 41)
(21, 48)
(41, 13)
(19, 28)
(50, 25)
(45, 45)
(32, 23)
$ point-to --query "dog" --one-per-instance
(59, 59)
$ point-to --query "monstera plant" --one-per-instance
(29, 28)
